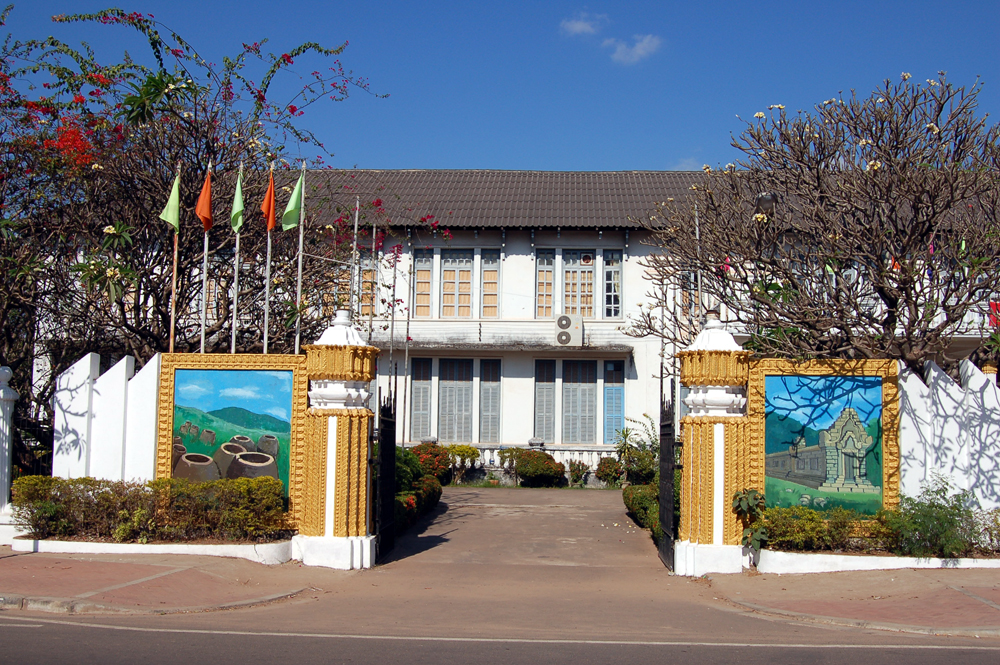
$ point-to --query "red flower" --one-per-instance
(177, 52)
(287, 58)
(293, 109)
(377, 203)
(79, 99)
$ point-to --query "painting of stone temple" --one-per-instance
(823, 442)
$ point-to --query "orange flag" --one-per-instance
(204, 207)
(267, 207)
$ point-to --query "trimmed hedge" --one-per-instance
(609, 471)
(643, 502)
(411, 505)
(539, 469)
(248, 509)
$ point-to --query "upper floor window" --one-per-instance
(490, 280)
(612, 283)
(545, 262)
(456, 283)
(578, 283)
(423, 262)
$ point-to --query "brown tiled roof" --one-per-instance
(481, 198)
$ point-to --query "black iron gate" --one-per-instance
(385, 484)
(668, 465)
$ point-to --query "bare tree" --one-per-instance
(864, 228)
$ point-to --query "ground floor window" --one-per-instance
(489, 401)
(420, 411)
(614, 398)
(579, 401)
(545, 400)
(455, 401)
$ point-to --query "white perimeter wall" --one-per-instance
(951, 429)
(105, 425)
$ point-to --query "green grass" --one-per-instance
(224, 431)
(777, 496)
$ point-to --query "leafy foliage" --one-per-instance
(419, 500)
(248, 509)
(643, 502)
(578, 471)
(539, 469)
(434, 460)
(749, 505)
(609, 471)
(463, 457)
(939, 522)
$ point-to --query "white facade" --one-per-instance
(577, 394)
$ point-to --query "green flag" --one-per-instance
(236, 216)
(290, 218)
(172, 211)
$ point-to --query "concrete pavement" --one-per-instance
(511, 563)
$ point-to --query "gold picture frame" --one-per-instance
(171, 362)
(887, 370)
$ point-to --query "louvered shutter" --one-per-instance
(420, 412)
(455, 401)
(545, 400)
(579, 401)
(489, 401)
(614, 399)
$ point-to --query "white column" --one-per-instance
(8, 396)
(718, 483)
(140, 422)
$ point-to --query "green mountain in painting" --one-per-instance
(250, 420)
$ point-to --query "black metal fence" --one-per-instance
(385, 488)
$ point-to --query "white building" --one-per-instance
(487, 362)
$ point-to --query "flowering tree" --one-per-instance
(89, 152)
(864, 228)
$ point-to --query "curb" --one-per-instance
(870, 625)
(70, 606)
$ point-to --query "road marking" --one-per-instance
(514, 640)
(88, 594)
(20, 625)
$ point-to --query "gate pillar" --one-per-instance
(715, 370)
(335, 529)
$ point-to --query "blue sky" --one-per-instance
(259, 391)
(572, 85)
(817, 401)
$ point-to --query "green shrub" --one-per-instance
(167, 509)
(539, 469)
(609, 471)
(463, 457)
(795, 528)
(508, 460)
(434, 460)
(841, 524)
(642, 501)
(578, 472)
(408, 469)
(641, 468)
(411, 505)
(939, 522)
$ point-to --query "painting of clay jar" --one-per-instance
(252, 465)
(240, 420)
(196, 467)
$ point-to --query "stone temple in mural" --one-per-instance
(836, 464)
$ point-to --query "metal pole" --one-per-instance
(173, 284)
(375, 270)
(267, 291)
(697, 238)
(354, 255)
(298, 284)
(406, 355)
(236, 294)
(204, 291)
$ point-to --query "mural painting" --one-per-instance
(231, 424)
(823, 442)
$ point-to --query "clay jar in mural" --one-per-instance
(268, 444)
(244, 441)
(224, 456)
(178, 451)
(208, 436)
(252, 465)
(196, 467)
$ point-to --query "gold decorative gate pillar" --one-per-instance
(714, 459)
(335, 530)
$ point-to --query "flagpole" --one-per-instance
(298, 283)
(236, 265)
(267, 283)
(173, 282)
(204, 278)
(354, 255)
